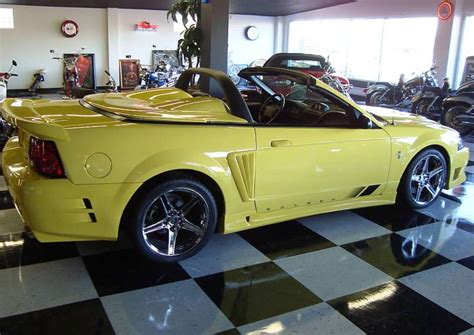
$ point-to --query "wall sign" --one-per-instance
(445, 10)
(69, 28)
(146, 26)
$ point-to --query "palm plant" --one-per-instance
(189, 45)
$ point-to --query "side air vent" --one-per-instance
(369, 190)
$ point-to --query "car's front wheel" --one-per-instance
(174, 220)
(424, 179)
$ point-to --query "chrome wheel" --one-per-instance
(427, 180)
(176, 222)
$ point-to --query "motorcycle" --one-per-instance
(458, 109)
(337, 82)
(428, 102)
(38, 78)
(162, 75)
(71, 73)
(390, 95)
(4, 76)
(111, 87)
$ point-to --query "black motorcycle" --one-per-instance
(428, 102)
(458, 109)
(390, 95)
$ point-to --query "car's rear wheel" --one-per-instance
(174, 220)
(424, 179)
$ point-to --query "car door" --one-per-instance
(303, 165)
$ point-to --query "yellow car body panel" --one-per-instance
(264, 174)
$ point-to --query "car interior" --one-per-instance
(283, 100)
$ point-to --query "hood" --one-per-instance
(399, 117)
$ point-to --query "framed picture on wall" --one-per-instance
(167, 56)
(129, 73)
(85, 64)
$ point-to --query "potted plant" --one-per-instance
(187, 12)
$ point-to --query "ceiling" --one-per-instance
(250, 7)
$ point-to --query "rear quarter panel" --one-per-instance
(141, 151)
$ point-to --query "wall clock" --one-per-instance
(445, 10)
(252, 33)
(69, 28)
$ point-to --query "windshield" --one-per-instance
(292, 87)
(302, 64)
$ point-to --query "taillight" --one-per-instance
(44, 158)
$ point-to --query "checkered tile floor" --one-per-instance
(378, 270)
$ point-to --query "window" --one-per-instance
(467, 47)
(6, 18)
(371, 49)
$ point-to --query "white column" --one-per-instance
(113, 42)
(447, 44)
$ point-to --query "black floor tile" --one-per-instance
(285, 239)
(465, 225)
(396, 255)
(234, 331)
(126, 270)
(22, 249)
(87, 317)
(395, 217)
(468, 262)
(6, 201)
(395, 309)
(256, 292)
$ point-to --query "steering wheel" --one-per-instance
(321, 106)
(269, 117)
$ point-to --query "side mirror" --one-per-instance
(153, 46)
(14, 63)
(51, 51)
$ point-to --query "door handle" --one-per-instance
(280, 143)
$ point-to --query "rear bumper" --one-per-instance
(58, 210)
(458, 166)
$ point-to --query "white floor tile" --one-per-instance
(176, 308)
(343, 227)
(39, 286)
(10, 222)
(223, 253)
(317, 319)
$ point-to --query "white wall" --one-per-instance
(37, 30)
(110, 35)
(244, 51)
(138, 44)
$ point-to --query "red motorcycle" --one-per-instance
(71, 73)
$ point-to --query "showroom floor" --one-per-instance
(378, 270)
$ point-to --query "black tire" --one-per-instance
(408, 184)
(420, 107)
(151, 207)
(448, 118)
(373, 99)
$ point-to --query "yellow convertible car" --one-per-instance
(173, 166)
